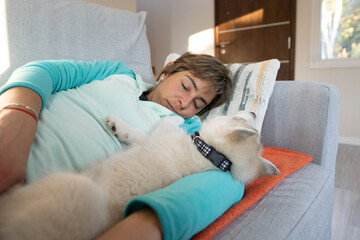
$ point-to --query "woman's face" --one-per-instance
(183, 93)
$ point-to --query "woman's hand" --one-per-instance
(17, 132)
(142, 224)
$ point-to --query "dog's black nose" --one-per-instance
(254, 115)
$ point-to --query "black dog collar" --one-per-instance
(218, 159)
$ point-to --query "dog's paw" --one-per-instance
(111, 123)
(173, 120)
(117, 127)
(124, 132)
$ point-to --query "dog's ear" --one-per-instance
(240, 134)
(269, 169)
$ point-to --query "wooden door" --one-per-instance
(249, 31)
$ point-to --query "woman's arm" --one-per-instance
(142, 224)
(31, 85)
(180, 210)
(17, 131)
(190, 204)
(47, 77)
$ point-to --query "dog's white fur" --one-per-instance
(81, 206)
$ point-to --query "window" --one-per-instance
(335, 33)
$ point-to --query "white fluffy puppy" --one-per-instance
(82, 206)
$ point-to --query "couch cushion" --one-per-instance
(303, 117)
(77, 30)
(299, 207)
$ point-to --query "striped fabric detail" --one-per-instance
(253, 85)
(233, 89)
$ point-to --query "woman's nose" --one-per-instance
(185, 101)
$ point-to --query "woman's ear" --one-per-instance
(162, 76)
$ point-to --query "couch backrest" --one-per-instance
(303, 117)
(78, 30)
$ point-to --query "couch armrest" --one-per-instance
(303, 117)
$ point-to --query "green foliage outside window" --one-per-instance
(340, 29)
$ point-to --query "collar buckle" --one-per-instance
(209, 152)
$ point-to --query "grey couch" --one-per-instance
(302, 116)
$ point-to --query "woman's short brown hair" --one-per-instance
(207, 68)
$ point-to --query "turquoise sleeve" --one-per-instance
(191, 125)
(47, 77)
(190, 204)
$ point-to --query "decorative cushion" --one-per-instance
(76, 30)
(253, 85)
(285, 160)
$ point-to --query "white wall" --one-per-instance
(346, 79)
(158, 23)
(129, 5)
(171, 23)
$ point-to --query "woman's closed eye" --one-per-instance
(199, 103)
(196, 106)
(185, 87)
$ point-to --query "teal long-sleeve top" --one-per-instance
(71, 135)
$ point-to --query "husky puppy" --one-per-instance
(83, 205)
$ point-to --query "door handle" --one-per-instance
(223, 44)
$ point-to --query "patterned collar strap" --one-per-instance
(218, 159)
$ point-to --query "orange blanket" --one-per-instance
(285, 160)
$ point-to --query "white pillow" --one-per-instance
(253, 85)
(171, 58)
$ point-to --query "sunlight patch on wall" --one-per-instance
(4, 44)
(202, 42)
(250, 19)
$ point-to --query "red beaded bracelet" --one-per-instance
(22, 108)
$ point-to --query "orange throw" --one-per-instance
(285, 160)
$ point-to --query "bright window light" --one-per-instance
(202, 42)
(335, 35)
(4, 45)
(340, 29)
